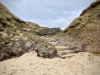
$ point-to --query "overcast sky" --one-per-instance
(48, 13)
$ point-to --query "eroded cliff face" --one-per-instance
(86, 28)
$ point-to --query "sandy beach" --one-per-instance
(29, 64)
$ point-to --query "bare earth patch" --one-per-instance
(30, 64)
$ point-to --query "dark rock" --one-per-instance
(47, 31)
(43, 48)
(76, 47)
(46, 51)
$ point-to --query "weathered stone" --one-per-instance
(44, 49)
(47, 31)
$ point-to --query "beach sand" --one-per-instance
(30, 64)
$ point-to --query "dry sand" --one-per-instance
(30, 64)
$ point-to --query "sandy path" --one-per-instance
(30, 64)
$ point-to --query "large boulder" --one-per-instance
(46, 50)
(43, 48)
(13, 49)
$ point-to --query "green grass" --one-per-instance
(28, 35)
(15, 34)
(8, 40)
(91, 54)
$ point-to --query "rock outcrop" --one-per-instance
(86, 28)
(16, 39)
(48, 31)
(42, 31)
(44, 49)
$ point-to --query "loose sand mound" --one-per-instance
(30, 64)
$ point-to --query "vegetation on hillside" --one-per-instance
(86, 28)
(16, 37)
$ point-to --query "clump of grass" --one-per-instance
(91, 54)
(28, 35)
(6, 40)
(15, 34)
(84, 20)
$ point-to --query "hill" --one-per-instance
(17, 37)
(86, 28)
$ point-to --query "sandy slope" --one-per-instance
(30, 64)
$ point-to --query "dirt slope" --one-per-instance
(86, 28)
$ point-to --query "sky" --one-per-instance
(47, 13)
